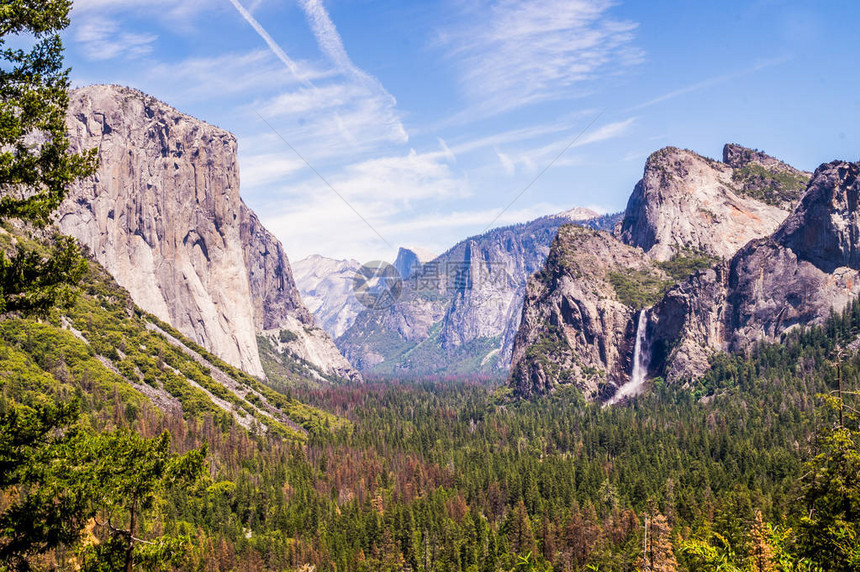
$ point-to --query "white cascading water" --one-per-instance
(640, 364)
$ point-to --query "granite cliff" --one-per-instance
(689, 202)
(577, 325)
(806, 269)
(410, 260)
(704, 232)
(164, 216)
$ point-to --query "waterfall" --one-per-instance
(640, 363)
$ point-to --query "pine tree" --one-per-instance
(659, 555)
(519, 530)
(45, 514)
(126, 474)
(830, 533)
(36, 166)
(761, 551)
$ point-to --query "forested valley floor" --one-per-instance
(754, 467)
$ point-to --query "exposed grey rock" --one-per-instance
(824, 229)
(278, 304)
(808, 268)
(737, 156)
(409, 260)
(273, 291)
(687, 326)
(164, 216)
(765, 178)
(688, 202)
(574, 329)
(459, 313)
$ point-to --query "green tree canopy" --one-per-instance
(36, 164)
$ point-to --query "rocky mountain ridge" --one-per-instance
(798, 275)
(164, 215)
(689, 202)
(574, 328)
(704, 237)
(458, 314)
(410, 260)
(326, 288)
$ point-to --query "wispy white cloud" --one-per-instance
(508, 164)
(352, 112)
(463, 146)
(711, 82)
(227, 74)
(322, 224)
(337, 132)
(604, 132)
(388, 191)
(101, 5)
(330, 42)
(514, 53)
(389, 183)
(273, 45)
(266, 168)
(534, 158)
(402, 179)
(176, 14)
(102, 39)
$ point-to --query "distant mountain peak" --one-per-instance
(410, 259)
(578, 214)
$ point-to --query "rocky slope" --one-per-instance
(577, 328)
(688, 215)
(807, 268)
(458, 313)
(121, 358)
(765, 178)
(163, 214)
(688, 202)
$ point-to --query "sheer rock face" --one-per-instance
(574, 329)
(688, 325)
(164, 216)
(824, 230)
(774, 270)
(688, 202)
(273, 290)
(409, 260)
(807, 268)
(278, 304)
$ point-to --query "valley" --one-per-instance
(669, 387)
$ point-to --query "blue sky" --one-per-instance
(430, 117)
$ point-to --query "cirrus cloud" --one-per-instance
(515, 53)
